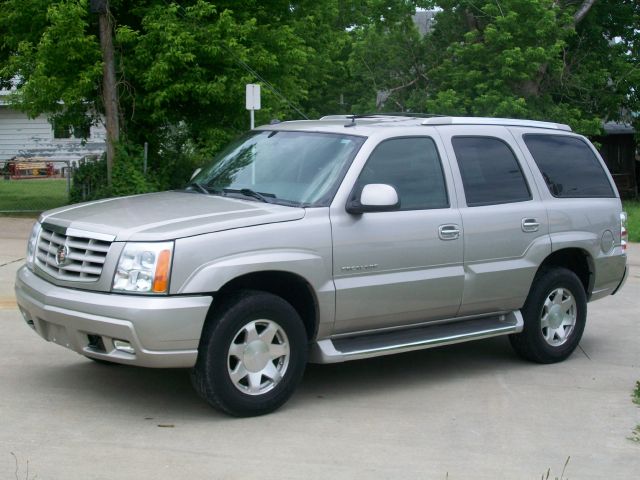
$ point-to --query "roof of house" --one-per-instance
(618, 128)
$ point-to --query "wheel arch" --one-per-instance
(291, 287)
(578, 260)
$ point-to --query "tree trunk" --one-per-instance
(109, 89)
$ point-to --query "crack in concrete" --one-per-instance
(582, 350)
(12, 261)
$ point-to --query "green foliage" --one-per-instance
(182, 66)
(47, 48)
(89, 179)
(387, 62)
(635, 435)
(128, 172)
(633, 219)
(513, 58)
(531, 59)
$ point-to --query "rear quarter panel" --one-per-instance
(583, 222)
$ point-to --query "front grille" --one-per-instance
(85, 257)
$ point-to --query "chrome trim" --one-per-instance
(69, 257)
(325, 351)
(74, 232)
(500, 313)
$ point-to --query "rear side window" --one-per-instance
(490, 171)
(412, 166)
(569, 166)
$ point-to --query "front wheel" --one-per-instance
(252, 354)
(554, 317)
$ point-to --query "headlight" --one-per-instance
(32, 245)
(144, 268)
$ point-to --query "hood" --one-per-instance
(168, 215)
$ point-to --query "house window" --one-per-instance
(62, 129)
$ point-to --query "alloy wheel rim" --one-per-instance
(558, 318)
(258, 357)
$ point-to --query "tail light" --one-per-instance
(624, 234)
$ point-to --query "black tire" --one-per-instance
(542, 345)
(211, 377)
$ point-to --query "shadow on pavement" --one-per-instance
(168, 392)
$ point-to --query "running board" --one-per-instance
(398, 341)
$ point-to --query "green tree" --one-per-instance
(571, 62)
(182, 66)
(388, 66)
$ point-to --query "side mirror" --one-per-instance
(375, 197)
(195, 172)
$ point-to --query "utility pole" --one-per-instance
(109, 90)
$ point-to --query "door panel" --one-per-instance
(405, 266)
(504, 242)
(500, 258)
(391, 268)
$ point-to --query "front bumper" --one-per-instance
(164, 332)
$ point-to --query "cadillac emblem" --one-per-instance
(62, 256)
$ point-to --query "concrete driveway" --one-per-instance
(467, 411)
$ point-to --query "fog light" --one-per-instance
(27, 318)
(124, 346)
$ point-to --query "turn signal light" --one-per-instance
(161, 278)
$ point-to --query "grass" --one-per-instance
(633, 222)
(635, 435)
(33, 195)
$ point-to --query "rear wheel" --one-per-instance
(554, 317)
(252, 354)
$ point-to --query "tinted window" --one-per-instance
(412, 166)
(569, 166)
(490, 172)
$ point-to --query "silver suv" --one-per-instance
(334, 240)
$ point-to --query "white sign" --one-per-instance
(253, 96)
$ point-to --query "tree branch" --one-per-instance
(395, 89)
(582, 11)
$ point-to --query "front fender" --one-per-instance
(213, 275)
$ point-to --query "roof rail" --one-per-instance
(379, 117)
(507, 122)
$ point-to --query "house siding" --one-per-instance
(25, 137)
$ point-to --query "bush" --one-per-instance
(89, 181)
(90, 177)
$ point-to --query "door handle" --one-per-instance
(530, 225)
(448, 232)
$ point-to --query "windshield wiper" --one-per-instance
(247, 192)
(200, 187)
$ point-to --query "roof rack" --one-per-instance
(507, 122)
(402, 115)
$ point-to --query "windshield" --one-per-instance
(290, 168)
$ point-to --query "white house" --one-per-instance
(21, 136)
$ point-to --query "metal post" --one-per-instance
(146, 153)
(68, 162)
(253, 119)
